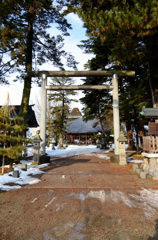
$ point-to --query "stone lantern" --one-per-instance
(122, 149)
(103, 142)
(36, 147)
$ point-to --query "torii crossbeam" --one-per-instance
(114, 87)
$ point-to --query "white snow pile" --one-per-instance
(73, 150)
(130, 159)
(8, 182)
(147, 199)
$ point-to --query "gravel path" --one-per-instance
(82, 197)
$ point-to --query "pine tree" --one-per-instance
(119, 47)
(133, 96)
(134, 92)
(25, 40)
(133, 28)
(11, 136)
(59, 108)
(97, 104)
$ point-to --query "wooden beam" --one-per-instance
(107, 73)
(78, 87)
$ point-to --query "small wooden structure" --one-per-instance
(150, 142)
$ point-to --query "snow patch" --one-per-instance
(102, 156)
(80, 196)
(7, 182)
(73, 150)
(100, 195)
(147, 199)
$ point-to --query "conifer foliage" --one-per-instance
(59, 108)
(123, 36)
(11, 136)
(133, 28)
(26, 42)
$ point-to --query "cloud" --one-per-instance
(74, 18)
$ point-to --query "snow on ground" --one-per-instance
(130, 159)
(146, 199)
(73, 150)
(8, 182)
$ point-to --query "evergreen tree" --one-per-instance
(59, 114)
(134, 92)
(133, 28)
(133, 96)
(25, 40)
(97, 104)
(120, 50)
(11, 136)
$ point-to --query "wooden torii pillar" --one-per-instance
(114, 74)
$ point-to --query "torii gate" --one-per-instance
(114, 87)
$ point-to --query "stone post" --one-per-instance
(43, 114)
(116, 118)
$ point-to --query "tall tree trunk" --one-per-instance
(3, 163)
(101, 124)
(28, 66)
(60, 143)
(131, 145)
(153, 68)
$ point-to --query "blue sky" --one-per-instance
(78, 32)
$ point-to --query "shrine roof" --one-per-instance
(149, 112)
(80, 126)
(30, 118)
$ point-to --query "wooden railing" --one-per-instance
(150, 144)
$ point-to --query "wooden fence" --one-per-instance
(150, 144)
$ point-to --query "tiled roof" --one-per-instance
(80, 126)
(149, 112)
